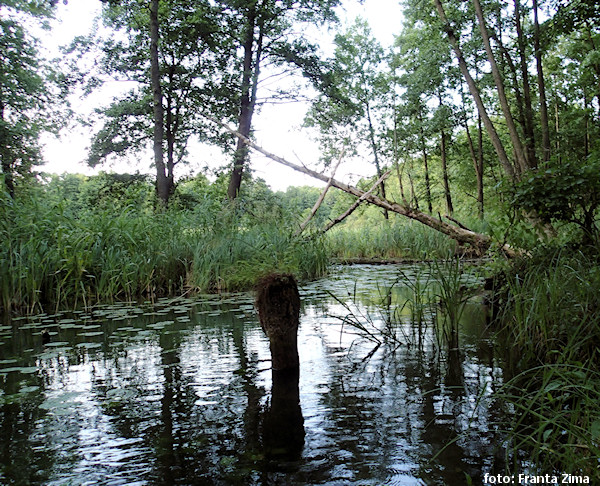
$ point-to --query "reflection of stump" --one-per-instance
(278, 305)
(283, 425)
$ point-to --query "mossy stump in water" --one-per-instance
(278, 305)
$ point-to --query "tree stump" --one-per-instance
(278, 305)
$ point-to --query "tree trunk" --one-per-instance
(5, 157)
(376, 156)
(278, 305)
(247, 101)
(425, 164)
(449, 207)
(541, 86)
(510, 123)
(527, 109)
(491, 130)
(162, 186)
(479, 242)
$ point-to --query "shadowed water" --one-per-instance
(180, 392)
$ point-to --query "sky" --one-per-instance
(277, 128)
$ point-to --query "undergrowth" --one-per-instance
(53, 256)
(551, 317)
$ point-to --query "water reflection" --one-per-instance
(283, 423)
(183, 393)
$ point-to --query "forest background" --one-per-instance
(478, 129)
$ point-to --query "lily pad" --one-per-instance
(92, 333)
(89, 345)
(26, 370)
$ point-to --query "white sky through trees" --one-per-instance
(276, 127)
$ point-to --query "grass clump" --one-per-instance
(397, 239)
(551, 316)
(230, 260)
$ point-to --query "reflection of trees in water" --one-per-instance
(414, 408)
(24, 458)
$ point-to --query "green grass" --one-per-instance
(235, 260)
(53, 256)
(393, 239)
(551, 318)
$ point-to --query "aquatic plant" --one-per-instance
(551, 318)
(398, 239)
(454, 287)
(55, 256)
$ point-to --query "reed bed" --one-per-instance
(54, 257)
(551, 318)
(397, 239)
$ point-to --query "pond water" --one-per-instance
(180, 392)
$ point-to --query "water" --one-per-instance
(180, 392)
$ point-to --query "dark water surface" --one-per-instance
(180, 392)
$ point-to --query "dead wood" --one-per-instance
(356, 203)
(480, 242)
(321, 197)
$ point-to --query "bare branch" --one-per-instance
(321, 197)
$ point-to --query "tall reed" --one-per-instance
(397, 239)
(55, 256)
(551, 316)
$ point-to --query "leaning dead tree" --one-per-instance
(479, 242)
(356, 203)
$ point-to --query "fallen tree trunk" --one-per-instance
(479, 242)
(356, 203)
(320, 200)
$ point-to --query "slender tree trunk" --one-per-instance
(512, 128)
(527, 109)
(491, 130)
(171, 126)
(557, 128)
(425, 164)
(5, 157)
(8, 175)
(247, 101)
(162, 186)
(541, 86)
(413, 193)
(449, 207)
(586, 135)
(376, 156)
(480, 197)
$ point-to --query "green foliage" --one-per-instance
(27, 94)
(564, 192)
(550, 308)
(78, 240)
(399, 239)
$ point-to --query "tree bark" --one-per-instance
(527, 108)
(247, 100)
(425, 164)
(510, 123)
(162, 186)
(356, 203)
(278, 306)
(491, 130)
(449, 207)
(320, 199)
(544, 119)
